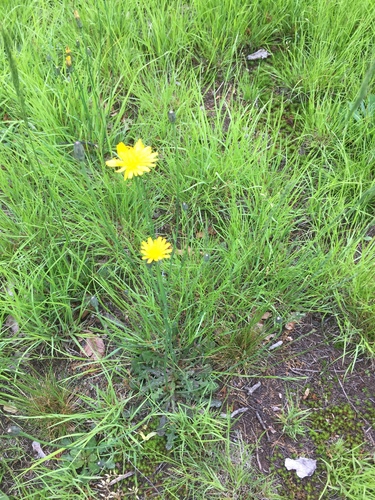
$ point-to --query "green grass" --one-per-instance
(277, 186)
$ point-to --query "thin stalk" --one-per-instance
(172, 119)
(145, 205)
(169, 349)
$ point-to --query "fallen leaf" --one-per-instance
(199, 234)
(10, 409)
(306, 395)
(274, 346)
(290, 326)
(12, 324)
(269, 337)
(38, 449)
(94, 347)
(303, 466)
(149, 435)
(266, 315)
(259, 54)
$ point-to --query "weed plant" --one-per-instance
(260, 193)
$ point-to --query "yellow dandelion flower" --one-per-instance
(133, 161)
(68, 61)
(154, 250)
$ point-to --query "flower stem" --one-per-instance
(145, 205)
(172, 119)
(169, 350)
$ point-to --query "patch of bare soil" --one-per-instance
(307, 374)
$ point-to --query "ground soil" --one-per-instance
(312, 371)
(309, 371)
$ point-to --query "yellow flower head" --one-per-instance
(133, 160)
(154, 250)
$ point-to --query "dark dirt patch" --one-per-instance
(307, 373)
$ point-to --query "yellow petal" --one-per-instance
(139, 144)
(121, 148)
(114, 163)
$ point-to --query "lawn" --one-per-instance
(187, 273)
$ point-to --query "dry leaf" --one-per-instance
(269, 337)
(199, 234)
(259, 54)
(303, 466)
(276, 345)
(290, 326)
(149, 435)
(94, 347)
(12, 324)
(38, 449)
(307, 392)
(266, 315)
(10, 409)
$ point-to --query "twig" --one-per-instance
(299, 370)
(234, 413)
(263, 425)
(368, 433)
(252, 389)
(257, 454)
(120, 478)
(343, 390)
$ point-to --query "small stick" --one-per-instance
(297, 370)
(369, 434)
(257, 455)
(262, 424)
(120, 478)
(253, 388)
(343, 390)
(234, 413)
